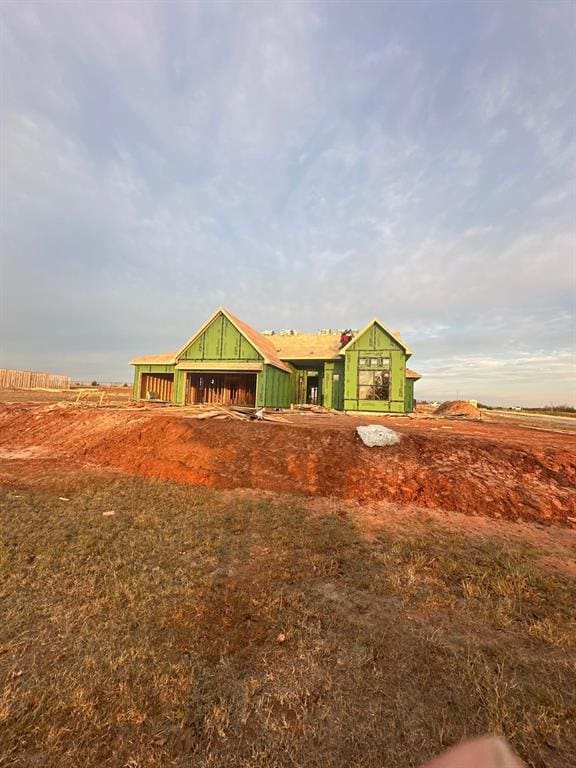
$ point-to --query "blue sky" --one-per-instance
(305, 165)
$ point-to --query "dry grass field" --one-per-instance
(209, 628)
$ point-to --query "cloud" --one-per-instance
(307, 166)
(503, 380)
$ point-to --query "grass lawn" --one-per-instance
(194, 629)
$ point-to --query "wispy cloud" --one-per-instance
(307, 164)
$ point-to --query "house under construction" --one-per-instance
(227, 362)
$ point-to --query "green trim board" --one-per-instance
(219, 365)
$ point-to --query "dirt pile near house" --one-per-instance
(474, 474)
(458, 408)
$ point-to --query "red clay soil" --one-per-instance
(458, 408)
(479, 468)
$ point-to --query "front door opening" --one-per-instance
(312, 390)
(221, 389)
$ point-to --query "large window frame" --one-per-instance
(374, 377)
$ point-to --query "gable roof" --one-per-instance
(278, 348)
(384, 328)
(303, 346)
(258, 341)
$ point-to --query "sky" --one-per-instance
(305, 165)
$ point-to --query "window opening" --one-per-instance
(374, 378)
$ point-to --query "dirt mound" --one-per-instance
(470, 474)
(461, 408)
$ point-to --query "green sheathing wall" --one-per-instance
(327, 389)
(221, 341)
(140, 369)
(333, 390)
(179, 387)
(301, 381)
(409, 395)
(275, 388)
(374, 341)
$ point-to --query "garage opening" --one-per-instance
(157, 386)
(221, 388)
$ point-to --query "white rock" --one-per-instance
(374, 434)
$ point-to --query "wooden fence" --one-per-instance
(10, 379)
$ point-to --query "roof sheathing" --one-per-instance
(307, 346)
(163, 358)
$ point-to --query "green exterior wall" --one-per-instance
(179, 387)
(301, 381)
(333, 391)
(375, 341)
(221, 341)
(409, 395)
(275, 388)
(328, 388)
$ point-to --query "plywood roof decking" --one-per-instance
(164, 358)
(303, 346)
(323, 346)
(275, 348)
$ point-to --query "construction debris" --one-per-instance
(208, 415)
(317, 409)
(239, 413)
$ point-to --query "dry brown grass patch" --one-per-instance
(190, 628)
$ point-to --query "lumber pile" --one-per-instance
(234, 413)
(319, 410)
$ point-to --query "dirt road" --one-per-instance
(535, 420)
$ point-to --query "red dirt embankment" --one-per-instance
(479, 473)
